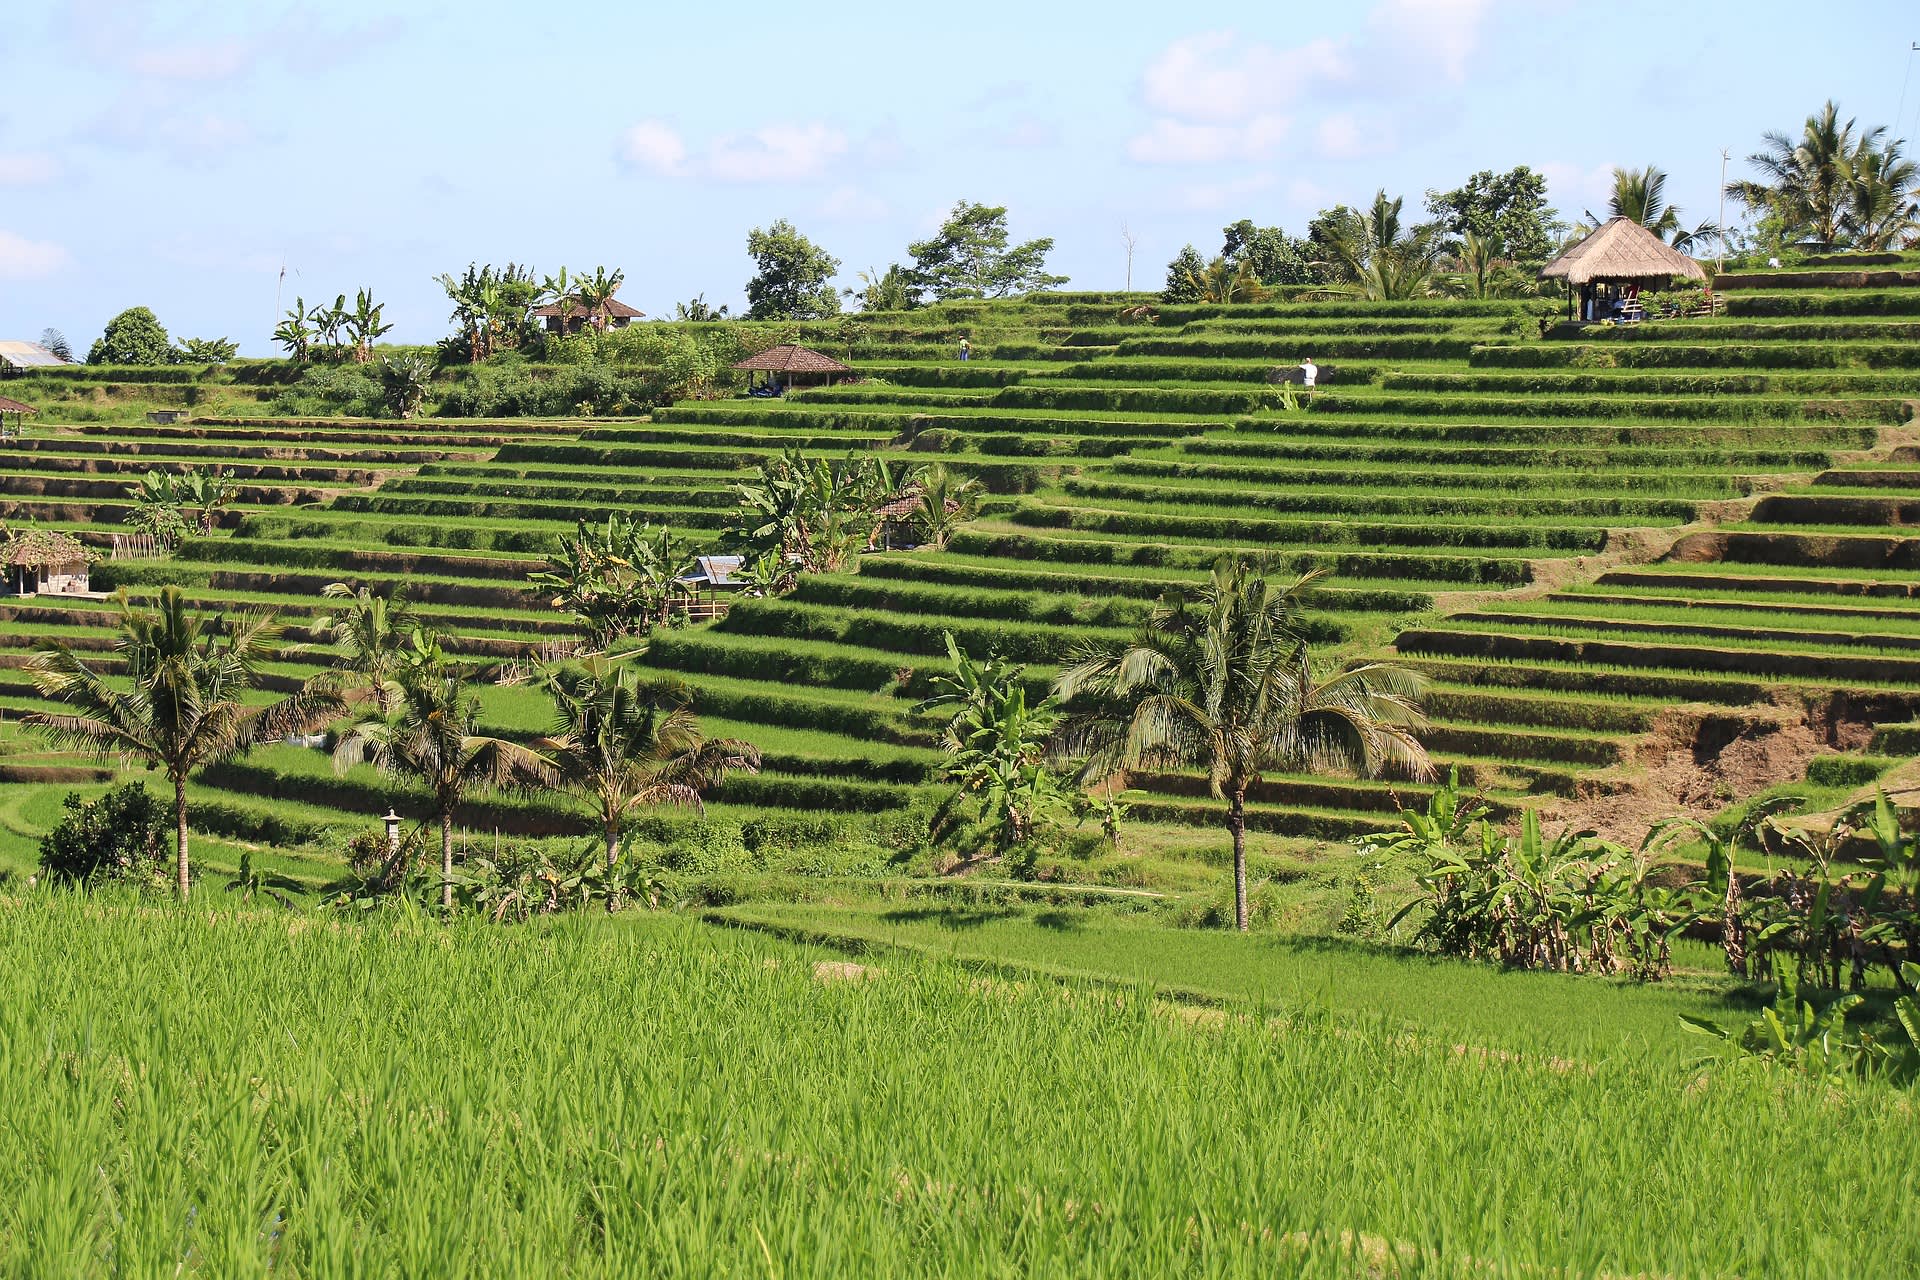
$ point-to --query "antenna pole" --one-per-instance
(1721, 262)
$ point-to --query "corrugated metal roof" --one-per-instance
(27, 355)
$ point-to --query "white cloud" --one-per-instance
(1178, 142)
(27, 168)
(656, 146)
(1027, 133)
(779, 152)
(1443, 33)
(24, 259)
(776, 153)
(1217, 76)
(1219, 96)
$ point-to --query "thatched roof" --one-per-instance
(14, 406)
(43, 548)
(1621, 249)
(788, 358)
(614, 310)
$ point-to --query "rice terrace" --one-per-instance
(1388, 745)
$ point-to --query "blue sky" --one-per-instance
(177, 154)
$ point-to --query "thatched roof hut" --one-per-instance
(39, 560)
(791, 365)
(1622, 251)
(43, 549)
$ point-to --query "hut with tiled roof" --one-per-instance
(790, 365)
(570, 315)
(42, 561)
(18, 412)
(1614, 263)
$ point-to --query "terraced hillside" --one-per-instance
(1668, 559)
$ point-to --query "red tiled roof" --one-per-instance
(788, 358)
(615, 309)
(14, 406)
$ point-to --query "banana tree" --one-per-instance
(295, 332)
(596, 291)
(364, 325)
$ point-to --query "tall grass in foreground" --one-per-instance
(232, 1094)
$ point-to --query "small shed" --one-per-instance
(569, 316)
(18, 413)
(715, 573)
(43, 562)
(789, 365)
(1613, 263)
(25, 357)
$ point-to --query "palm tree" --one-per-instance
(1380, 257)
(1478, 255)
(364, 325)
(1224, 282)
(432, 737)
(1225, 683)
(182, 702)
(468, 295)
(945, 502)
(1883, 197)
(596, 291)
(1808, 181)
(620, 747)
(372, 634)
(1641, 195)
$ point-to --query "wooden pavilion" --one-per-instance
(18, 412)
(788, 365)
(1613, 264)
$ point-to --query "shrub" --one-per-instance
(122, 836)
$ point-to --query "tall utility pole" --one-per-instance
(1721, 261)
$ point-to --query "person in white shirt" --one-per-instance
(1309, 373)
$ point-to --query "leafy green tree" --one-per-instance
(792, 277)
(1225, 683)
(372, 633)
(889, 290)
(620, 746)
(1269, 254)
(184, 700)
(215, 351)
(134, 336)
(1184, 275)
(492, 308)
(121, 836)
(618, 578)
(433, 737)
(814, 513)
(997, 748)
(970, 257)
(1508, 209)
(1375, 253)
